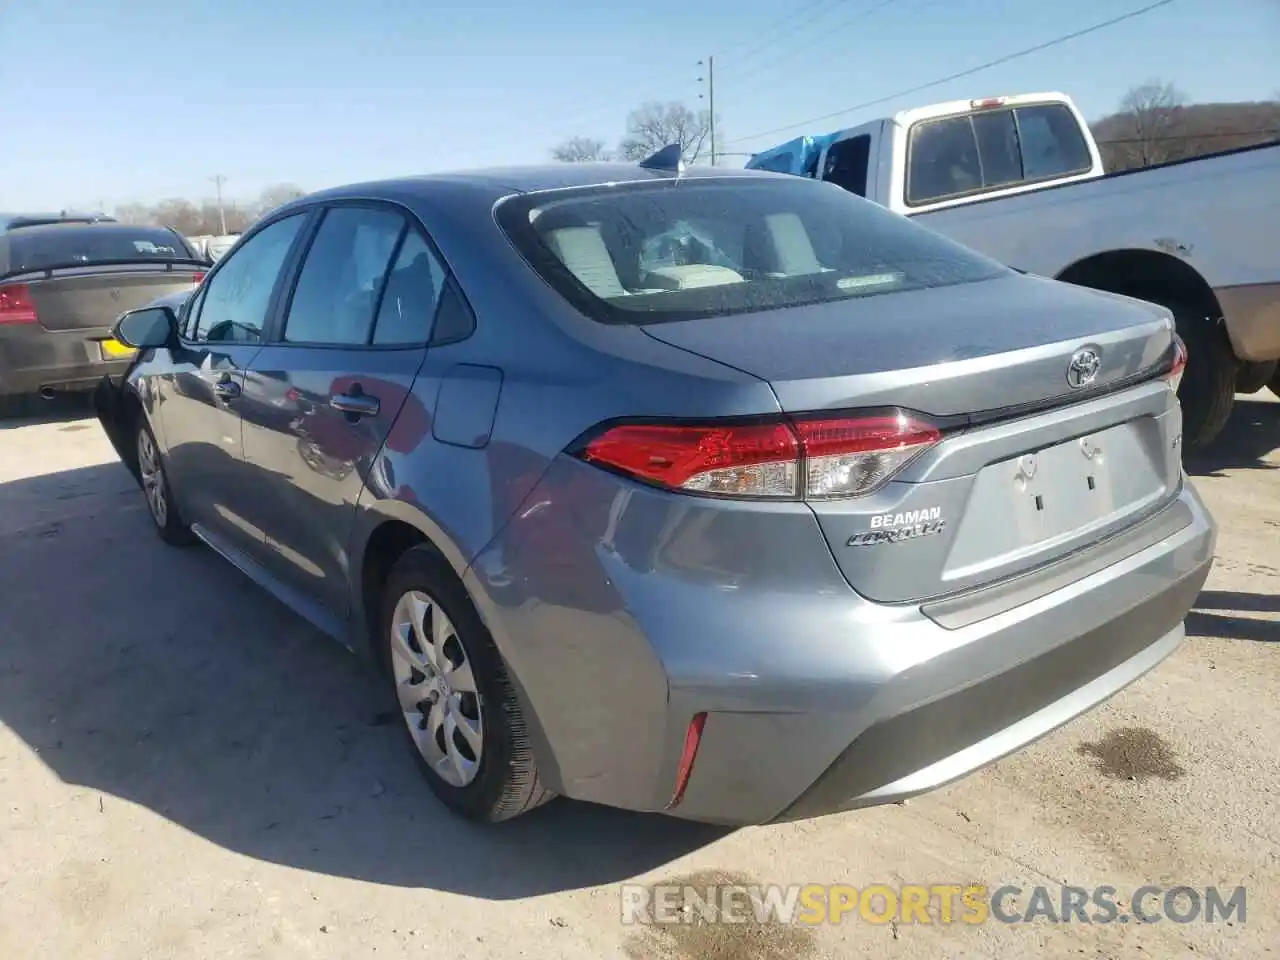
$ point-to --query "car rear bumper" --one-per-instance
(816, 700)
(32, 358)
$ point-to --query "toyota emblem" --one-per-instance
(1083, 369)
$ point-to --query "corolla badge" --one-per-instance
(899, 527)
(1084, 367)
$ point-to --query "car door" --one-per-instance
(349, 342)
(201, 395)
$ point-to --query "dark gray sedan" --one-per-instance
(721, 493)
(63, 283)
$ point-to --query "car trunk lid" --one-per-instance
(93, 297)
(1042, 453)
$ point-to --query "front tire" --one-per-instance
(461, 715)
(156, 490)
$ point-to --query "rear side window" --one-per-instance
(413, 290)
(693, 247)
(975, 153)
(71, 245)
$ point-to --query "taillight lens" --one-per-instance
(197, 278)
(806, 458)
(1174, 376)
(16, 305)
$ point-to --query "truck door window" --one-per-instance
(1052, 144)
(847, 164)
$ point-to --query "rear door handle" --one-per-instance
(226, 389)
(357, 403)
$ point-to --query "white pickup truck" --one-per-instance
(1020, 178)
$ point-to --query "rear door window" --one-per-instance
(989, 150)
(342, 277)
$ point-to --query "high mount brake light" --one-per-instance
(809, 458)
(16, 305)
(1174, 376)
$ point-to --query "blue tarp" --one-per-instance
(796, 156)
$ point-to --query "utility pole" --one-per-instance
(218, 181)
(710, 81)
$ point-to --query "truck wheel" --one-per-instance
(1208, 386)
(1252, 377)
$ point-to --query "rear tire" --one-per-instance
(1208, 387)
(461, 715)
(154, 480)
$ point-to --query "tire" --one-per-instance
(154, 480)
(440, 700)
(1208, 386)
(1274, 385)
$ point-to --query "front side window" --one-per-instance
(236, 297)
(337, 291)
(846, 164)
(698, 247)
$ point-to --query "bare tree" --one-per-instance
(1153, 125)
(580, 150)
(655, 125)
(277, 195)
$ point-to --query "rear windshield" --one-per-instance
(684, 248)
(979, 152)
(36, 248)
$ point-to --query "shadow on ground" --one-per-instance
(1250, 436)
(27, 410)
(165, 678)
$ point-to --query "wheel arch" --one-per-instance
(1147, 275)
(385, 530)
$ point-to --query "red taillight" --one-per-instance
(197, 278)
(807, 458)
(16, 305)
(692, 738)
(1174, 376)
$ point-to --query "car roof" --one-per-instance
(491, 184)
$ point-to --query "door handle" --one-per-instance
(357, 403)
(226, 388)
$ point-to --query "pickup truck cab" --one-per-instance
(1021, 179)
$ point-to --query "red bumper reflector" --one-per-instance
(692, 738)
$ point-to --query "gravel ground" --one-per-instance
(187, 770)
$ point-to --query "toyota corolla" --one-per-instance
(720, 493)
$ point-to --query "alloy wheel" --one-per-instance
(152, 475)
(436, 688)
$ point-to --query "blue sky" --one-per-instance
(112, 101)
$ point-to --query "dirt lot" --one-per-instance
(186, 770)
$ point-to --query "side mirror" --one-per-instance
(147, 327)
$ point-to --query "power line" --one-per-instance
(794, 20)
(963, 73)
(835, 28)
